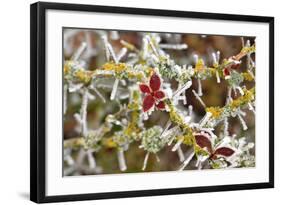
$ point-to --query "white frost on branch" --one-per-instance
(83, 112)
(145, 161)
(121, 160)
(190, 155)
(199, 98)
(79, 51)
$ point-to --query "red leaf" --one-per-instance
(148, 102)
(225, 151)
(154, 82)
(235, 66)
(226, 72)
(159, 94)
(144, 88)
(161, 105)
(203, 141)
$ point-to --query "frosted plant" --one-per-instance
(136, 82)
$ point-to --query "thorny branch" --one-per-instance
(147, 72)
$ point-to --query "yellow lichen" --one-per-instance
(248, 49)
(215, 111)
(138, 75)
(66, 69)
(176, 118)
(242, 100)
(109, 142)
(83, 75)
(116, 67)
(247, 76)
(212, 70)
(200, 65)
(188, 139)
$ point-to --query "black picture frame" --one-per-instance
(38, 100)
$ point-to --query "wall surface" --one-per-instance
(14, 112)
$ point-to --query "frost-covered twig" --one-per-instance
(83, 113)
(121, 160)
(199, 98)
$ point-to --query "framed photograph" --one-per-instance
(129, 102)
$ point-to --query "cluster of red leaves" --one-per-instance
(202, 141)
(153, 95)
